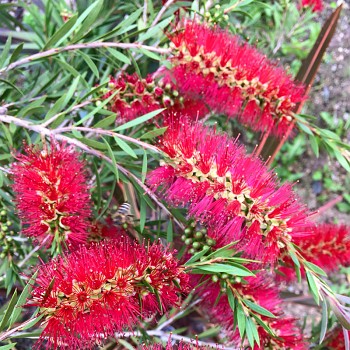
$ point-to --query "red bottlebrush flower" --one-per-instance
(328, 247)
(335, 339)
(316, 5)
(52, 194)
(219, 183)
(137, 96)
(92, 293)
(233, 78)
(261, 291)
(100, 231)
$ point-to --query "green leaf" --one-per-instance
(102, 124)
(251, 329)
(114, 162)
(125, 344)
(123, 26)
(12, 85)
(150, 54)
(139, 120)
(22, 299)
(197, 256)
(342, 160)
(232, 270)
(9, 311)
(8, 346)
(88, 18)
(144, 167)
(324, 321)
(153, 31)
(169, 231)
(314, 145)
(16, 52)
(118, 55)
(305, 128)
(264, 325)
(153, 133)
(5, 52)
(90, 63)
(60, 33)
(315, 268)
(125, 147)
(143, 213)
(96, 109)
(231, 299)
(259, 309)
(241, 320)
(93, 143)
(313, 287)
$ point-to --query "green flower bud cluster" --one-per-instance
(196, 238)
(8, 245)
(217, 15)
(224, 279)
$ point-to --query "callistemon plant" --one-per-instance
(145, 220)
(52, 194)
(233, 78)
(225, 188)
(88, 295)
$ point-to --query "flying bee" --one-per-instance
(123, 216)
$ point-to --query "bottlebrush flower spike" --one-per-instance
(328, 247)
(219, 183)
(52, 194)
(90, 294)
(262, 292)
(233, 78)
(137, 96)
(316, 5)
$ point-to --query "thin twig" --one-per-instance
(170, 320)
(262, 143)
(56, 116)
(93, 45)
(32, 252)
(161, 12)
(145, 10)
(232, 7)
(110, 133)
(326, 206)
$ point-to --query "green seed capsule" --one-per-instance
(215, 278)
(188, 230)
(183, 238)
(192, 251)
(224, 276)
(196, 245)
(3, 212)
(188, 241)
(205, 247)
(198, 234)
(211, 242)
